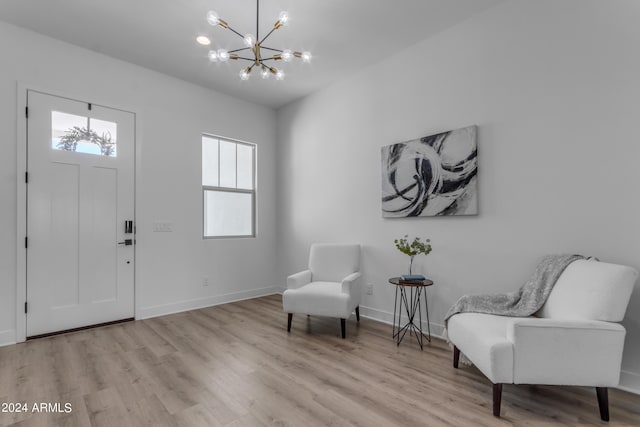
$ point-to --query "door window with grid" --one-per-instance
(228, 187)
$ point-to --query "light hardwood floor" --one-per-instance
(235, 365)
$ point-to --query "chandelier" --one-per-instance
(254, 50)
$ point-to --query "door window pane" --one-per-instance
(105, 134)
(61, 125)
(228, 213)
(81, 134)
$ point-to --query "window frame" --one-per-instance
(236, 190)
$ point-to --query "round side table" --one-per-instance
(411, 293)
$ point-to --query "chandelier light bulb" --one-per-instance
(264, 73)
(249, 40)
(203, 40)
(212, 18)
(223, 55)
(244, 74)
(280, 75)
(306, 57)
(283, 18)
(287, 55)
(213, 56)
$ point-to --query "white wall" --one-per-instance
(553, 87)
(171, 116)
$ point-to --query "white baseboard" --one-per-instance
(387, 317)
(629, 381)
(7, 337)
(193, 304)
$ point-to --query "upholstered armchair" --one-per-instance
(329, 287)
(574, 339)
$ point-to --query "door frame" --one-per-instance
(21, 218)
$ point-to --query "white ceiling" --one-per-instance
(342, 35)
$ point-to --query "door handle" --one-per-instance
(127, 242)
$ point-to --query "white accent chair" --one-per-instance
(572, 340)
(330, 287)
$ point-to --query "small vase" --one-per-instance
(410, 266)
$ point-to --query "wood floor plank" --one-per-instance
(106, 409)
(197, 415)
(235, 365)
(246, 421)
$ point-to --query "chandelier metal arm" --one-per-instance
(273, 70)
(257, 19)
(268, 34)
(270, 48)
(229, 28)
(239, 50)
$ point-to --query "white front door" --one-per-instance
(80, 193)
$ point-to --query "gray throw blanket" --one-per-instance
(527, 300)
(522, 303)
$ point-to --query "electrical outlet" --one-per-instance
(205, 281)
(369, 288)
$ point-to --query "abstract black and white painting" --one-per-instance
(431, 176)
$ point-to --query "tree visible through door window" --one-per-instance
(228, 187)
(82, 134)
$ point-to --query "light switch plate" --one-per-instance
(162, 226)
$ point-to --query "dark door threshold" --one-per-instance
(82, 328)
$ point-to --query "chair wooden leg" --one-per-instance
(343, 326)
(289, 317)
(497, 399)
(456, 356)
(603, 402)
(358, 313)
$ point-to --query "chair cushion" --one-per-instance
(483, 339)
(330, 262)
(320, 299)
(591, 290)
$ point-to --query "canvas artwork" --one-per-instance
(431, 176)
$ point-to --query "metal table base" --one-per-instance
(409, 302)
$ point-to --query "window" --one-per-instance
(228, 187)
(83, 134)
